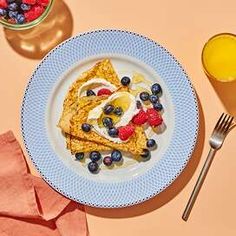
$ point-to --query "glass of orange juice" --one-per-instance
(219, 63)
(219, 57)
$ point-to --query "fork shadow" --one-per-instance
(169, 193)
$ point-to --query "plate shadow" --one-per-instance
(36, 42)
(169, 193)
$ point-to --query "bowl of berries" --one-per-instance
(23, 14)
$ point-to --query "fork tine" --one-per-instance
(219, 120)
(229, 124)
(225, 123)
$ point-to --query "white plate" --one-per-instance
(42, 106)
(123, 65)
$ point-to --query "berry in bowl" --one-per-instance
(23, 14)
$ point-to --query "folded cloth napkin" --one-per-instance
(28, 206)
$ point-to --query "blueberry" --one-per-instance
(90, 93)
(144, 96)
(118, 111)
(13, 6)
(93, 167)
(151, 143)
(11, 1)
(113, 132)
(158, 106)
(25, 7)
(95, 156)
(153, 98)
(156, 89)
(146, 153)
(107, 161)
(125, 81)
(79, 155)
(20, 18)
(12, 14)
(108, 109)
(116, 155)
(107, 122)
(138, 104)
(3, 12)
(86, 127)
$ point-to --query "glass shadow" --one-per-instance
(226, 91)
(35, 43)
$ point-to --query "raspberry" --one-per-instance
(125, 132)
(31, 2)
(3, 4)
(154, 118)
(34, 13)
(43, 2)
(140, 118)
(104, 91)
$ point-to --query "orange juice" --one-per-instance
(219, 57)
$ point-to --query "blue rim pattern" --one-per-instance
(78, 188)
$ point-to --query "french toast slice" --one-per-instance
(75, 144)
(72, 102)
(75, 113)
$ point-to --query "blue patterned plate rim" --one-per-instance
(109, 195)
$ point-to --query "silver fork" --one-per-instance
(216, 141)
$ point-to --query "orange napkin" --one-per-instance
(28, 206)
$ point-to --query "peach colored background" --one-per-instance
(182, 27)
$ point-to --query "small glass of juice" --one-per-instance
(219, 57)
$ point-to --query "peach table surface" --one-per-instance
(182, 27)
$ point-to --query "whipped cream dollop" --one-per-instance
(95, 84)
(95, 114)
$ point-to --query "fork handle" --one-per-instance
(199, 183)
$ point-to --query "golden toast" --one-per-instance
(75, 113)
